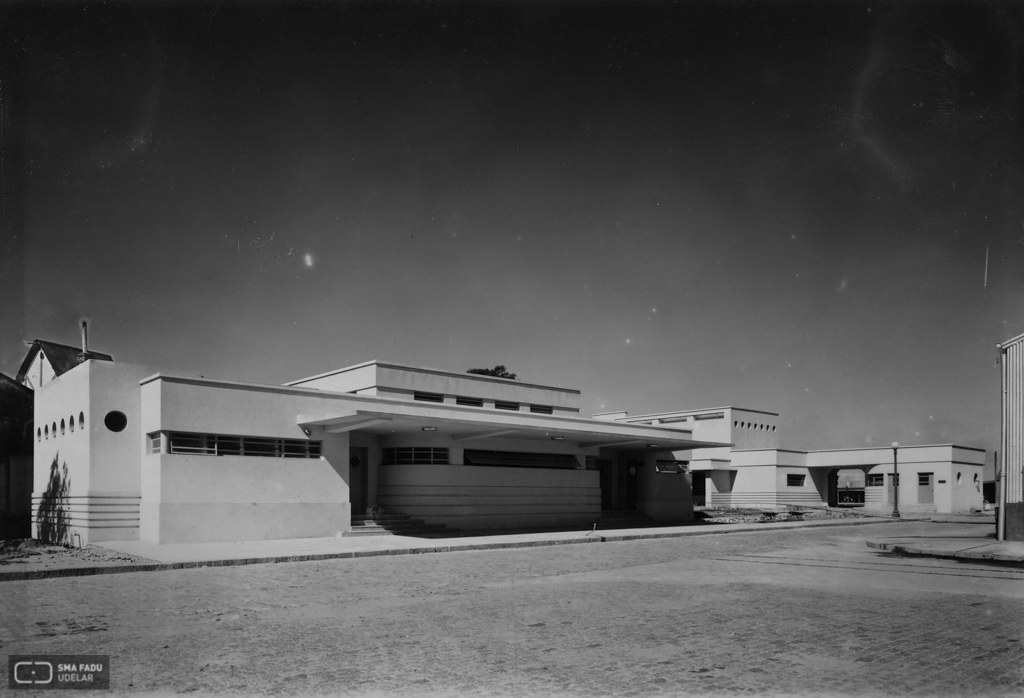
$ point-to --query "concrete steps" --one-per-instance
(391, 525)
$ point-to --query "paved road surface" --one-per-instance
(807, 611)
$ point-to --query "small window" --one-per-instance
(428, 397)
(676, 467)
(156, 443)
(958, 476)
(71, 422)
(81, 419)
(925, 479)
(39, 434)
(510, 406)
(735, 424)
(469, 401)
(542, 409)
(409, 455)
(62, 427)
(773, 429)
(46, 430)
(876, 480)
(115, 421)
(795, 480)
(53, 430)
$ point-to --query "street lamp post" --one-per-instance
(895, 483)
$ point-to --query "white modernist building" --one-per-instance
(123, 453)
(754, 472)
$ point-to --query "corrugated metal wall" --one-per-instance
(1013, 417)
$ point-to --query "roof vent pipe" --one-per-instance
(84, 322)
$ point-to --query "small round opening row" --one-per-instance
(755, 427)
(115, 421)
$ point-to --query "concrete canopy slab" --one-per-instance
(466, 424)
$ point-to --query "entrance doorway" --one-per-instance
(606, 468)
(358, 480)
(627, 476)
(833, 488)
(925, 488)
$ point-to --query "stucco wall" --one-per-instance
(198, 499)
(664, 497)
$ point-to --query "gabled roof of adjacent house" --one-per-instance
(62, 357)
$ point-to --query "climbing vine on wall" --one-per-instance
(52, 515)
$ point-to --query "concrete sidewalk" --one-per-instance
(963, 545)
(181, 556)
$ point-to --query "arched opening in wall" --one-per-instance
(115, 421)
(62, 427)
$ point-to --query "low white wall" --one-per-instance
(199, 499)
(477, 497)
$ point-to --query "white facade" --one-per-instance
(754, 472)
(173, 459)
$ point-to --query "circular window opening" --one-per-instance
(62, 427)
(735, 424)
(81, 419)
(773, 429)
(115, 421)
(958, 476)
(71, 422)
(39, 434)
(53, 430)
(46, 430)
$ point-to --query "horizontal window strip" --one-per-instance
(415, 455)
(469, 401)
(515, 459)
(222, 445)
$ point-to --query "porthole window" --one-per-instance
(115, 421)
(773, 429)
(735, 424)
(81, 419)
(958, 476)
(71, 422)
(53, 430)
(39, 434)
(46, 431)
(975, 478)
(62, 427)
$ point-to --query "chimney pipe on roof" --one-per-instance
(85, 340)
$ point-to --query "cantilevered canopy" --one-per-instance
(469, 425)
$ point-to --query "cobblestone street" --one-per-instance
(807, 611)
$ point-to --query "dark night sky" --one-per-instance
(809, 209)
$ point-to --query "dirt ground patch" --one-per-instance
(33, 555)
